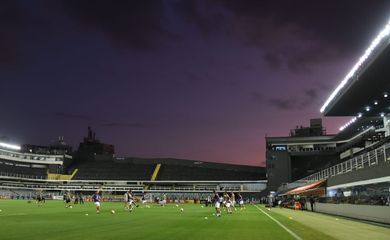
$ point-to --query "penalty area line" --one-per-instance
(280, 224)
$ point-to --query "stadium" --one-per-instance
(314, 185)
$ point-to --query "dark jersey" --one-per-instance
(96, 197)
(240, 197)
(216, 198)
(67, 198)
(39, 197)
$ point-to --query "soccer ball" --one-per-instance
(206, 218)
(112, 211)
(86, 214)
(70, 207)
(181, 209)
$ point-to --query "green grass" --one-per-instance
(21, 220)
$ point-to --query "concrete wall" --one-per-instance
(278, 168)
(364, 212)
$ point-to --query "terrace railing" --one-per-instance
(365, 160)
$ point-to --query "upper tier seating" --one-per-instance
(113, 170)
(194, 173)
(15, 169)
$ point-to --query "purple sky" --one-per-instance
(202, 80)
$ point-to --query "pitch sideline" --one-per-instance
(280, 224)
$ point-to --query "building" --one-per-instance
(305, 151)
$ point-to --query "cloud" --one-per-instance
(285, 103)
(98, 121)
(13, 20)
(206, 77)
(207, 16)
(71, 116)
(247, 67)
(295, 34)
(9, 52)
(257, 96)
(335, 24)
(126, 125)
(139, 25)
(309, 97)
(273, 60)
(311, 93)
(24, 26)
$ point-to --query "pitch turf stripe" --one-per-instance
(280, 224)
(15, 214)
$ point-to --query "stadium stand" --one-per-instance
(113, 170)
(9, 168)
(176, 172)
(95, 160)
(187, 171)
(55, 169)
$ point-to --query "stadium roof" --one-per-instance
(365, 91)
(358, 126)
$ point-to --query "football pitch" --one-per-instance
(22, 220)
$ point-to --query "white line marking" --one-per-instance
(14, 214)
(284, 227)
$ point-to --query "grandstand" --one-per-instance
(94, 166)
(113, 170)
(348, 173)
(29, 165)
(94, 160)
(169, 170)
(10, 168)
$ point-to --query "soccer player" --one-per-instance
(241, 201)
(96, 198)
(129, 201)
(143, 199)
(217, 204)
(76, 199)
(67, 199)
(222, 201)
(81, 198)
(233, 200)
(227, 202)
(163, 202)
(40, 198)
(208, 201)
(125, 198)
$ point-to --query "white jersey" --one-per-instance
(128, 197)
